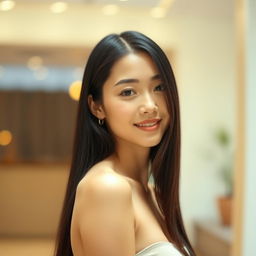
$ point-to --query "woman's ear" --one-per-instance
(96, 108)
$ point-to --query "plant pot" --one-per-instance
(225, 210)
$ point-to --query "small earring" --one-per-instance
(101, 121)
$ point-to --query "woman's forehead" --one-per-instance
(134, 65)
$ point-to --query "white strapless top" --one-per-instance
(159, 249)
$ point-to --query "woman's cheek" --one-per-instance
(120, 108)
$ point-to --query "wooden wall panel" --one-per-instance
(42, 125)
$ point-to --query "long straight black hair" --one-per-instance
(94, 143)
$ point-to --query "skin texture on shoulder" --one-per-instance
(103, 216)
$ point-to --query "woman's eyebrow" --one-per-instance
(133, 80)
(126, 81)
(156, 77)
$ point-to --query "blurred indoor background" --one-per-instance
(44, 46)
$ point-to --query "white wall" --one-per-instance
(206, 77)
(205, 68)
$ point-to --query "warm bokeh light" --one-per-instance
(6, 5)
(110, 9)
(75, 89)
(5, 137)
(157, 12)
(59, 7)
(35, 62)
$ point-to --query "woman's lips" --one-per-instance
(148, 121)
(148, 125)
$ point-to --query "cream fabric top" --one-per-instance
(159, 249)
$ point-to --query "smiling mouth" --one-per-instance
(148, 123)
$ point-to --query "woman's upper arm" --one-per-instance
(105, 217)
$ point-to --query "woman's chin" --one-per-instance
(152, 143)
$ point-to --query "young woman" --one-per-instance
(128, 128)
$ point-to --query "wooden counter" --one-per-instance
(212, 239)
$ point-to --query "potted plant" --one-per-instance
(225, 160)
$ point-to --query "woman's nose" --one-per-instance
(148, 105)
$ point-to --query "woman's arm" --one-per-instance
(105, 216)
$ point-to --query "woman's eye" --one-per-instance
(127, 93)
(160, 87)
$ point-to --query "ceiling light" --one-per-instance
(59, 7)
(165, 4)
(110, 9)
(6, 5)
(161, 9)
(157, 12)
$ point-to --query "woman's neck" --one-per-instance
(132, 161)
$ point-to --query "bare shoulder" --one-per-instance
(102, 183)
(102, 190)
(103, 213)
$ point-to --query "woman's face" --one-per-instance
(134, 103)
